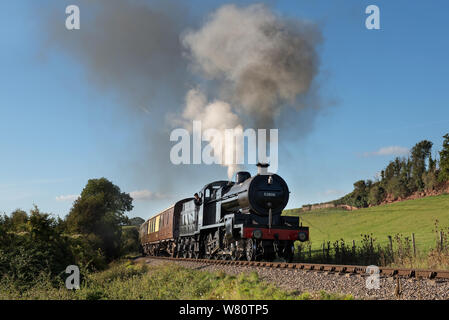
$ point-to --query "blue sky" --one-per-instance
(388, 88)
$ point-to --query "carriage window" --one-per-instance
(207, 193)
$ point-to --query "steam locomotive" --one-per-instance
(229, 220)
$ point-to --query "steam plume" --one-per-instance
(216, 115)
(261, 60)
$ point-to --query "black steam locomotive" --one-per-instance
(228, 220)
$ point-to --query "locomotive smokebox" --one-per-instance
(258, 194)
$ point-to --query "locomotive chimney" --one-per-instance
(262, 168)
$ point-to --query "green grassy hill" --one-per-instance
(406, 217)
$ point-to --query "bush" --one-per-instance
(376, 195)
(430, 180)
(397, 188)
(130, 240)
(41, 250)
(99, 213)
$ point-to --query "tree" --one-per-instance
(430, 180)
(376, 194)
(419, 154)
(432, 164)
(360, 194)
(130, 240)
(444, 160)
(389, 171)
(5, 236)
(397, 179)
(397, 188)
(19, 219)
(99, 213)
(136, 221)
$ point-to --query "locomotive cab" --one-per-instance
(211, 195)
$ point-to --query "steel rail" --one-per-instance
(320, 267)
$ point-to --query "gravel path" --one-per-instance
(313, 281)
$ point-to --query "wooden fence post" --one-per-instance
(310, 253)
(441, 240)
(414, 245)
(391, 243)
(353, 250)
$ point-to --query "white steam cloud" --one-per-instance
(69, 197)
(262, 63)
(216, 115)
(250, 62)
(388, 151)
(145, 195)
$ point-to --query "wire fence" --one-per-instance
(400, 250)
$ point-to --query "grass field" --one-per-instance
(137, 281)
(406, 217)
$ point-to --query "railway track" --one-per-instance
(319, 267)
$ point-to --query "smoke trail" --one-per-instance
(131, 49)
(128, 47)
(260, 64)
(261, 61)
